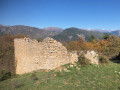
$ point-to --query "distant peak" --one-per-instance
(57, 29)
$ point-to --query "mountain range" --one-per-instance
(32, 32)
(112, 32)
(60, 34)
(117, 32)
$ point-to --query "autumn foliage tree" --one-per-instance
(108, 46)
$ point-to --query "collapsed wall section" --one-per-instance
(32, 55)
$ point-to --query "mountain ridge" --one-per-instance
(55, 32)
(73, 34)
(56, 29)
(32, 32)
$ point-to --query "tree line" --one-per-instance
(109, 45)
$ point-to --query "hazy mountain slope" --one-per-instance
(72, 32)
(117, 32)
(56, 29)
(27, 30)
(99, 30)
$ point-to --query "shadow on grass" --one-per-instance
(116, 60)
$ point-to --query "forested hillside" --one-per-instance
(72, 34)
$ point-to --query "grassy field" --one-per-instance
(90, 77)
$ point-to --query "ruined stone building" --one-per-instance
(32, 55)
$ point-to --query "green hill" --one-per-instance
(64, 36)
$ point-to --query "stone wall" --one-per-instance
(92, 56)
(32, 55)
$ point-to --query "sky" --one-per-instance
(86, 14)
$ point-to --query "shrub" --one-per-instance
(118, 57)
(39, 39)
(34, 77)
(5, 75)
(82, 60)
(103, 59)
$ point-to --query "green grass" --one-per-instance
(90, 77)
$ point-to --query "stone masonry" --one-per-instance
(31, 55)
(92, 56)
